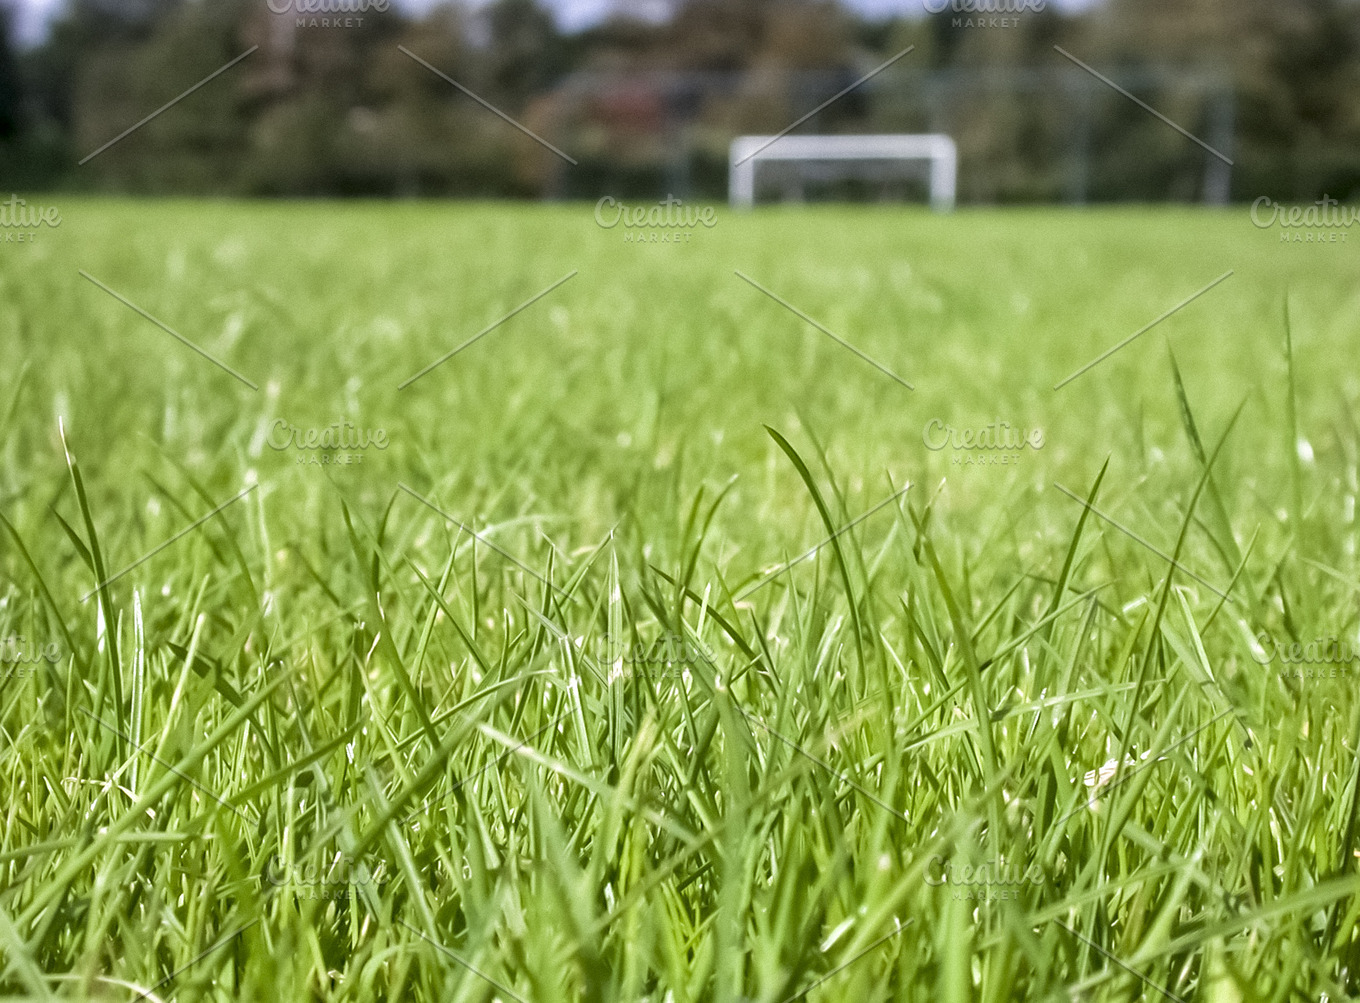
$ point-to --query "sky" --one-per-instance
(571, 14)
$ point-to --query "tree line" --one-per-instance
(360, 103)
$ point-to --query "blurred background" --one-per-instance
(648, 94)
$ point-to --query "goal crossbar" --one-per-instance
(748, 151)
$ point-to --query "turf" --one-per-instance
(326, 743)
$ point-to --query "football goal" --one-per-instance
(827, 158)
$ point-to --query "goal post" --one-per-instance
(749, 151)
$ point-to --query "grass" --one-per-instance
(328, 744)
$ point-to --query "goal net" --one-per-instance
(834, 157)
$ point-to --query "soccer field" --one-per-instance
(427, 601)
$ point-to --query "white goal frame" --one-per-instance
(748, 151)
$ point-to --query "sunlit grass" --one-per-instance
(327, 744)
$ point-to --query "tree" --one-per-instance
(525, 51)
(10, 93)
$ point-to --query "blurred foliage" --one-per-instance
(649, 105)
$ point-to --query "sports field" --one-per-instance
(472, 602)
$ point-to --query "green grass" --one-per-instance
(328, 681)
